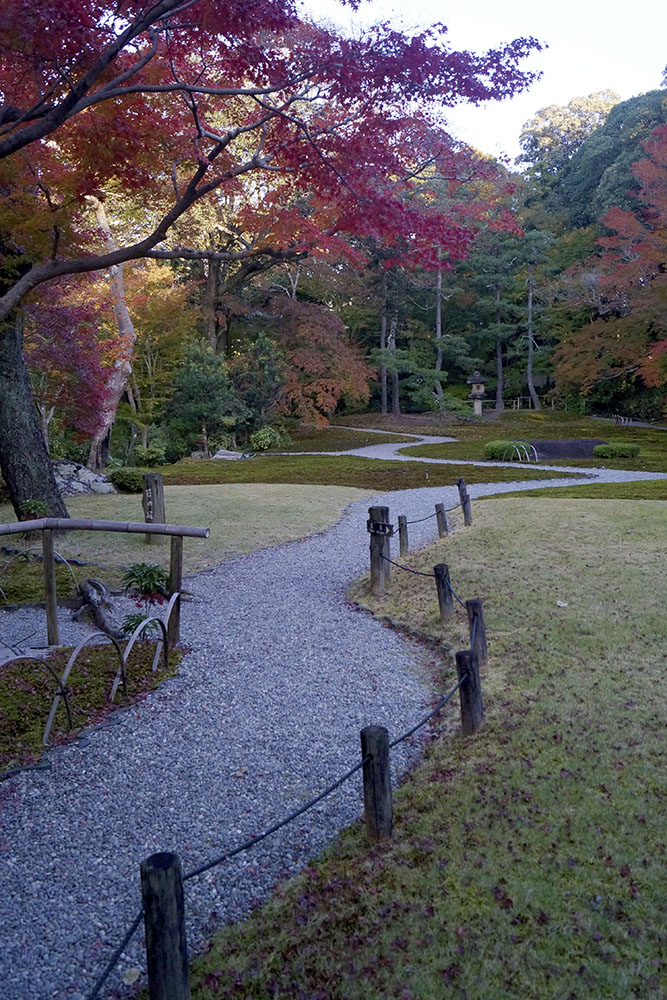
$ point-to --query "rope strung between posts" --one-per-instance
(434, 514)
(116, 956)
(406, 568)
(443, 701)
(420, 519)
(455, 595)
(224, 857)
(277, 826)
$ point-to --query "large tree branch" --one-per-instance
(59, 113)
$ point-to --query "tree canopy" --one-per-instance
(307, 137)
(550, 139)
(599, 174)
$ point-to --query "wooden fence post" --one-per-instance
(380, 531)
(470, 692)
(50, 596)
(175, 587)
(378, 807)
(153, 504)
(477, 630)
(445, 599)
(465, 501)
(164, 920)
(403, 545)
(441, 518)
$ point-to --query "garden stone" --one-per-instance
(231, 455)
(73, 478)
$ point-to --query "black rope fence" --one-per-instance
(115, 958)
(257, 838)
(427, 718)
(417, 572)
(407, 569)
(428, 517)
(468, 675)
(419, 520)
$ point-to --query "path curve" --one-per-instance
(266, 710)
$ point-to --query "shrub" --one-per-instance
(504, 451)
(265, 438)
(153, 454)
(616, 449)
(127, 479)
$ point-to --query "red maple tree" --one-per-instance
(177, 101)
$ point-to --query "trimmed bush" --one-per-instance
(505, 451)
(152, 455)
(616, 449)
(265, 438)
(127, 479)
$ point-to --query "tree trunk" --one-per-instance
(529, 366)
(438, 332)
(383, 347)
(122, 368)
(499, 359)
(24, 460)
(391, 346)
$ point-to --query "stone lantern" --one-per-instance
(477, 394)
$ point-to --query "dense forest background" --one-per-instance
(548, 276)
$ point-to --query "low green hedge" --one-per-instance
(616, 449)
(504, 451)
(127, 479)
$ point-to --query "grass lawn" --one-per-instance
(529, 425)
(361, 473)
(242, 519)
(528, 860)
(334, 438)
(647, 489)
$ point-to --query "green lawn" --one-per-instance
(241, 518)
(334, 438)
(360, 473)
(528, 860)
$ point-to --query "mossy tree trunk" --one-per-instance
(24, 459)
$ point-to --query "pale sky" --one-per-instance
(593, 45)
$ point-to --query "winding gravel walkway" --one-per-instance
(265, 712)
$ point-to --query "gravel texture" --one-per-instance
(265, 713)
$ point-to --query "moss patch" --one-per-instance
(27, 689)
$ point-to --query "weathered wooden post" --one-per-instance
(164, 920)
(470, 692)
(378, 807)
(441, 518)
(380, 531)
(153, 504)
(465, 501)
(477, 630)
(403, 545)
(175, 587)
(445, 599)
(50, 595)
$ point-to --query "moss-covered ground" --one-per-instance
(27, 688)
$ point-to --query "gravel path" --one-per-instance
(265, 712)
